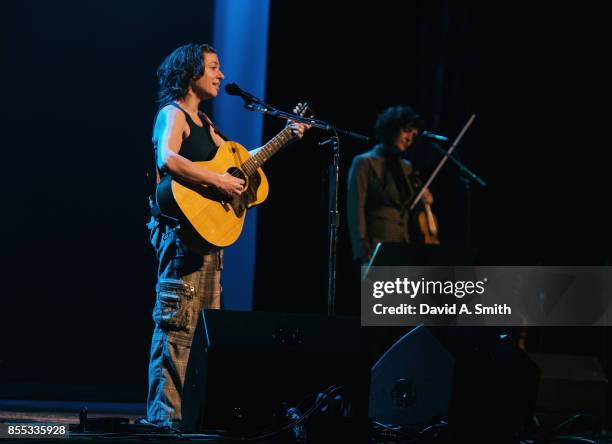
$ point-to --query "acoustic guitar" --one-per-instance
(207, 216)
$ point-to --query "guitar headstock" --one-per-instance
(303, 110)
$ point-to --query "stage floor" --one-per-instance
(68, 413)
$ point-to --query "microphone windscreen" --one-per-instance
(232, 89)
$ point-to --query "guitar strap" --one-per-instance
(212, 125)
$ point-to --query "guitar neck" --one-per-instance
(267, 151)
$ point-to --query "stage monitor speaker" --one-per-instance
(471, 377)
(411, 382)
(570, 385)
(247, 368)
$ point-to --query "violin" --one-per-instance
(428, 225)
(427, 222)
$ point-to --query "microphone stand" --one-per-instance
(467, 177)
(254, 104)
(333, 172)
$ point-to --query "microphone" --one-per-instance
(234, 90)
(432, 135)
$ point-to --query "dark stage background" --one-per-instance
(79, 95)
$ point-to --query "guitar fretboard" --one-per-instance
(267, 151)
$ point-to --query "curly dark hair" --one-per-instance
(389, 122)
(177, 70)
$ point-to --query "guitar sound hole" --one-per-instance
(237, 172)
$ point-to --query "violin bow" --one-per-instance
(442, 162)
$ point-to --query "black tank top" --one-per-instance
(198, 146)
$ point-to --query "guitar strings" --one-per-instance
(238, 171)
